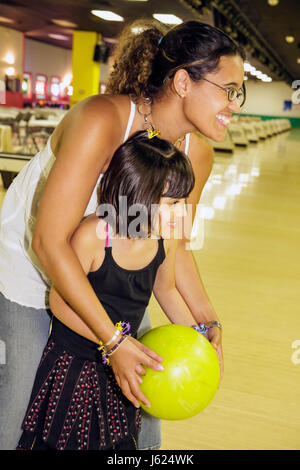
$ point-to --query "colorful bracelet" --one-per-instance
(201, 328)
(117, 333)
(116, 346)
(122, 328)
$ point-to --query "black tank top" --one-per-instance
(123, 293)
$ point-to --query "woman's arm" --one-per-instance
(86, 144)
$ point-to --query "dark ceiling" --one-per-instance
(259, 26)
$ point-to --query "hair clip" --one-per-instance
(153, 133)
(159, 41)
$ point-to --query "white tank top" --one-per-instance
(22, 278)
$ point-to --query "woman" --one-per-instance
(189, 79)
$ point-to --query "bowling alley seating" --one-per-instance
(237, 132)
(226, 146)
(250, 130)
(259, 128)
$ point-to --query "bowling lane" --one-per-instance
(250, 267)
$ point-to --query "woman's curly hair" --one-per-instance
(144, 61)
(133, 59)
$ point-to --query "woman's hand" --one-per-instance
(215, 337)
(127, 364)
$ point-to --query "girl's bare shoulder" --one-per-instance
(90, 232)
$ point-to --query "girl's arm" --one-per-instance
(166, 292)
(187, 276)
(188, 279)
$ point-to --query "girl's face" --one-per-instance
(170, 217)
(207, 106)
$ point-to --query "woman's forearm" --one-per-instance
(70, 280)
(190, 285)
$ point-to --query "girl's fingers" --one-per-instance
(147, 350)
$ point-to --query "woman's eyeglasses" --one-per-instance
(232, 93)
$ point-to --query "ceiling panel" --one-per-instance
(33, 17)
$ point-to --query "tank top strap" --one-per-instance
(161, 250)
(108, 231)
(130, 120)
(187, 143)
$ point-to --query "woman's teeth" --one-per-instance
(223, 119)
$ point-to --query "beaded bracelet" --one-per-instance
(201, 328)
(115, 347)
(117, 333)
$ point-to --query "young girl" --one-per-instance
(77, 400)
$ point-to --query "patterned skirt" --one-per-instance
(75, 402)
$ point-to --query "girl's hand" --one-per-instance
(215, 337)
(127, 367)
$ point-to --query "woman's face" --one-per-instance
(207, 106)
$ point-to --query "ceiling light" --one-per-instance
(65, 23)
(10, 71)
(59, 37)
(289, 39)
(107, 15)
(5, 20)
(9, 58)
(298, 60)
(247, 67)
(167, 19)
(273, 3)
(138, 29)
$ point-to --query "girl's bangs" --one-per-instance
(179, 183)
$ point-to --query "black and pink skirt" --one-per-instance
(76, 403)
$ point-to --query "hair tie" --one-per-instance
(153, 133)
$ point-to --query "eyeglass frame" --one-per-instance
(241, 90)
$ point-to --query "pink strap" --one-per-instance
(108, 235)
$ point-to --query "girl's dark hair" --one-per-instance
(143, 170)
(143, 61)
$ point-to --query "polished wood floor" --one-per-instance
(250, 265)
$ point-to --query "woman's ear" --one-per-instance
(180, 82)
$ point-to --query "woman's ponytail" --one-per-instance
(133, 59)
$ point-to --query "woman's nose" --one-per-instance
(234, 106)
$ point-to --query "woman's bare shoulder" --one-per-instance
(99, 114)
